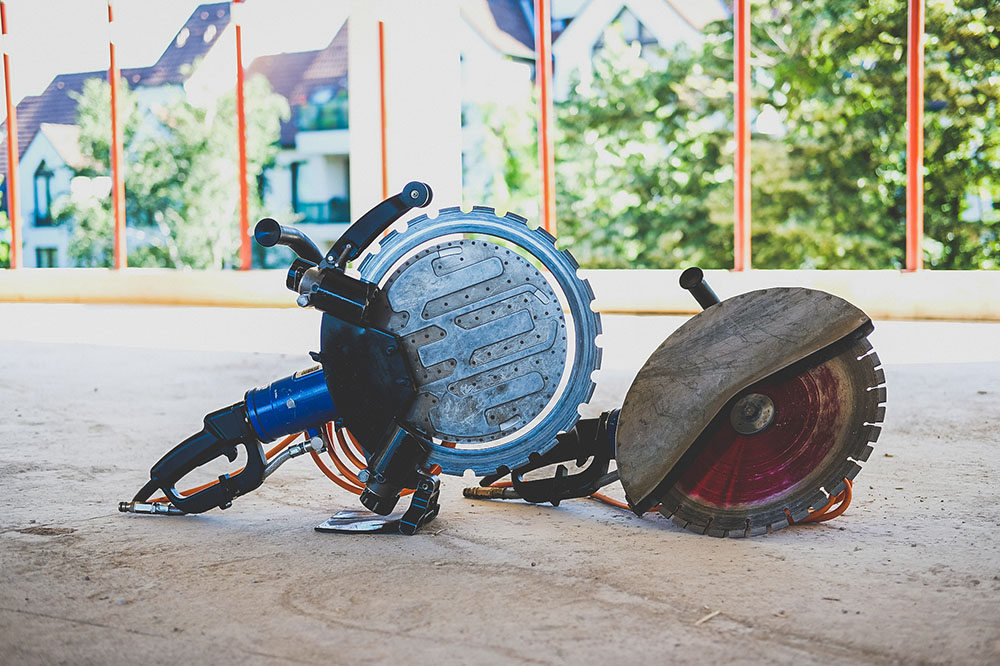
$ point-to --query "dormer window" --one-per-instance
(43, 196)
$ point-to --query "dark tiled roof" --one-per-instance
(192, 42)
(296, 76)
(56, 104)
(503, 24)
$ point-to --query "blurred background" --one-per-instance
(345, 101)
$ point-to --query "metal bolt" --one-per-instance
(414, 194)
(303, 301)
(363, 476)
(752, 413)
(390, 350)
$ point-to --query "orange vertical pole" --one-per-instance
(382, 109)
(915, 138)
(741, 120)
(241, 141)
(13, 194)
(543, 77)
(117, 160)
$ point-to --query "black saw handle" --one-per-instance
(269, 233)
(224, 430)
(372, 224)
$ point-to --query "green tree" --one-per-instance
(181, 180)
(502, 169)
(4, 245)
(644, 160)
(644, 172)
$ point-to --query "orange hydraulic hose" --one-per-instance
(339, 464)
(354, 458)
(333, 477)
(825, 514)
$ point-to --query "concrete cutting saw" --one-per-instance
(467, 342)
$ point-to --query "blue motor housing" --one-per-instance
(290, 405)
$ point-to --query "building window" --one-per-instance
(46, 257)
(43, 196)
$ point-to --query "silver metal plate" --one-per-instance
(355, 521)
(511, 380)
(484, 335)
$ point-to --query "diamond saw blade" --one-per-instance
(497, 330)
(782, 446)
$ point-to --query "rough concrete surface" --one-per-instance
(91, 396)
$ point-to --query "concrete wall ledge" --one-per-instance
(947, 295)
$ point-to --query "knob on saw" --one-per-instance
(752, 412)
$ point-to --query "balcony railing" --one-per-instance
(330, 115)
(336, 210)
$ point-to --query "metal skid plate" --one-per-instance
(500, 368)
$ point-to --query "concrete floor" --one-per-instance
(91, 396)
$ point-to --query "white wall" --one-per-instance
(423, 104)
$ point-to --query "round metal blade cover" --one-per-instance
(497, 330)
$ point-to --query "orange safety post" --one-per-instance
(241, 141)
(543, 78)
(741, 120)
(915, 138)
(117, 160)
(13, 195)
(382, 109)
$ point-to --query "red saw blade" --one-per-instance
(817, 422)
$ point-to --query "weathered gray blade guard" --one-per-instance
(707, 361)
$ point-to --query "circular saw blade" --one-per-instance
(827, 408)
(498, 333)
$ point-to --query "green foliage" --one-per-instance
(4, 245)
(181, 178)
(644, 169)
(644, 173)
(504, 166)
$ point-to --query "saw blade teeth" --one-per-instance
(879, 376)
(864, 346)
(449, 210)
(571, 259)
(680, 522)
(485, 209)
(717, 532)
(517, 218)
(389, 237)
(544, 233)
(879, 416)
(878, 394)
